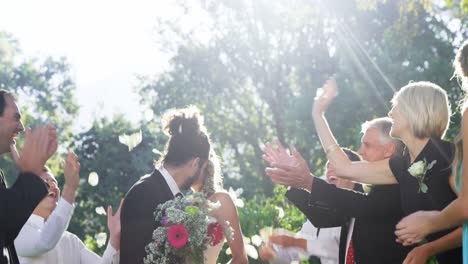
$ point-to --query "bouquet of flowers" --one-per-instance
(187, 228)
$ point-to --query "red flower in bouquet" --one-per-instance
(215, 231)
(177, 236)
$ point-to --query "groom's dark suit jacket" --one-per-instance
(16, 206)
(137, 216)
(376, 215)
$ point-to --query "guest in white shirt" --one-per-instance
(323, 243)
(309, 241)
(44, 239)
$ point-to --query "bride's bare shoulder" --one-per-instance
(223, 197)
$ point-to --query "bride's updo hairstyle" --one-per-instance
(213, 179)
(426, 107)
(188, 138)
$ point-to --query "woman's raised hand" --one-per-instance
(324, 97)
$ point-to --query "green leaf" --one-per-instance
(423, 188)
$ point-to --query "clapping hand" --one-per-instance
(325, 96)
(287, 170)
(71, 171)
(113, 223)
(280, 155)
(39, 145)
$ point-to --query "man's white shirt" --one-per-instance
(47, 242)
(169, 180)
(324, 246)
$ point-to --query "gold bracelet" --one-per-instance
(331, 148)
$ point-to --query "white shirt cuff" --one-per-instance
(109, 253)
(64, 208)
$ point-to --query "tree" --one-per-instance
(255, 73)
(45, 90)
(100, 152)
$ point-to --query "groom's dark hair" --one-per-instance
(188, 136)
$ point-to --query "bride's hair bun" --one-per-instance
(185, 122)
(188, 136)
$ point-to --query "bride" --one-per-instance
(211, 184)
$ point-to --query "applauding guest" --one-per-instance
(326, 244)
(43, 239)
(420, 116)
(18, 202)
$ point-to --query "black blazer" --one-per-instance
(16, 206)
(322, 216)
(376, 215)
(137, 216)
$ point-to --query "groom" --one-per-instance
(184, 160)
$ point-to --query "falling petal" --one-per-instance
(234, 196)
(256, 240)
(239, 192)
(228, 251)
(157, 152)
(100, 239)
(100, 210)
(251, 251)
(280, 212)
(318, 93)
(131, 141)
(148, 115)
(93, 179)
(239, 203)
(232, 193)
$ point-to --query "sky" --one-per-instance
(106, 42)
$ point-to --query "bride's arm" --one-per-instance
(228, 212)
(366, 172)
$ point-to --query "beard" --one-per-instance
(191, 180)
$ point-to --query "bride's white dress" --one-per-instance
(211, 253)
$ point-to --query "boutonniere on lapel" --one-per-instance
(418, 170)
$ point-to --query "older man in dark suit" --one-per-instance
(368, 220)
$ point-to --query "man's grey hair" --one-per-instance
(384, 125)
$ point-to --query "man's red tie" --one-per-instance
(350, 253)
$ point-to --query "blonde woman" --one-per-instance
(418, 225)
